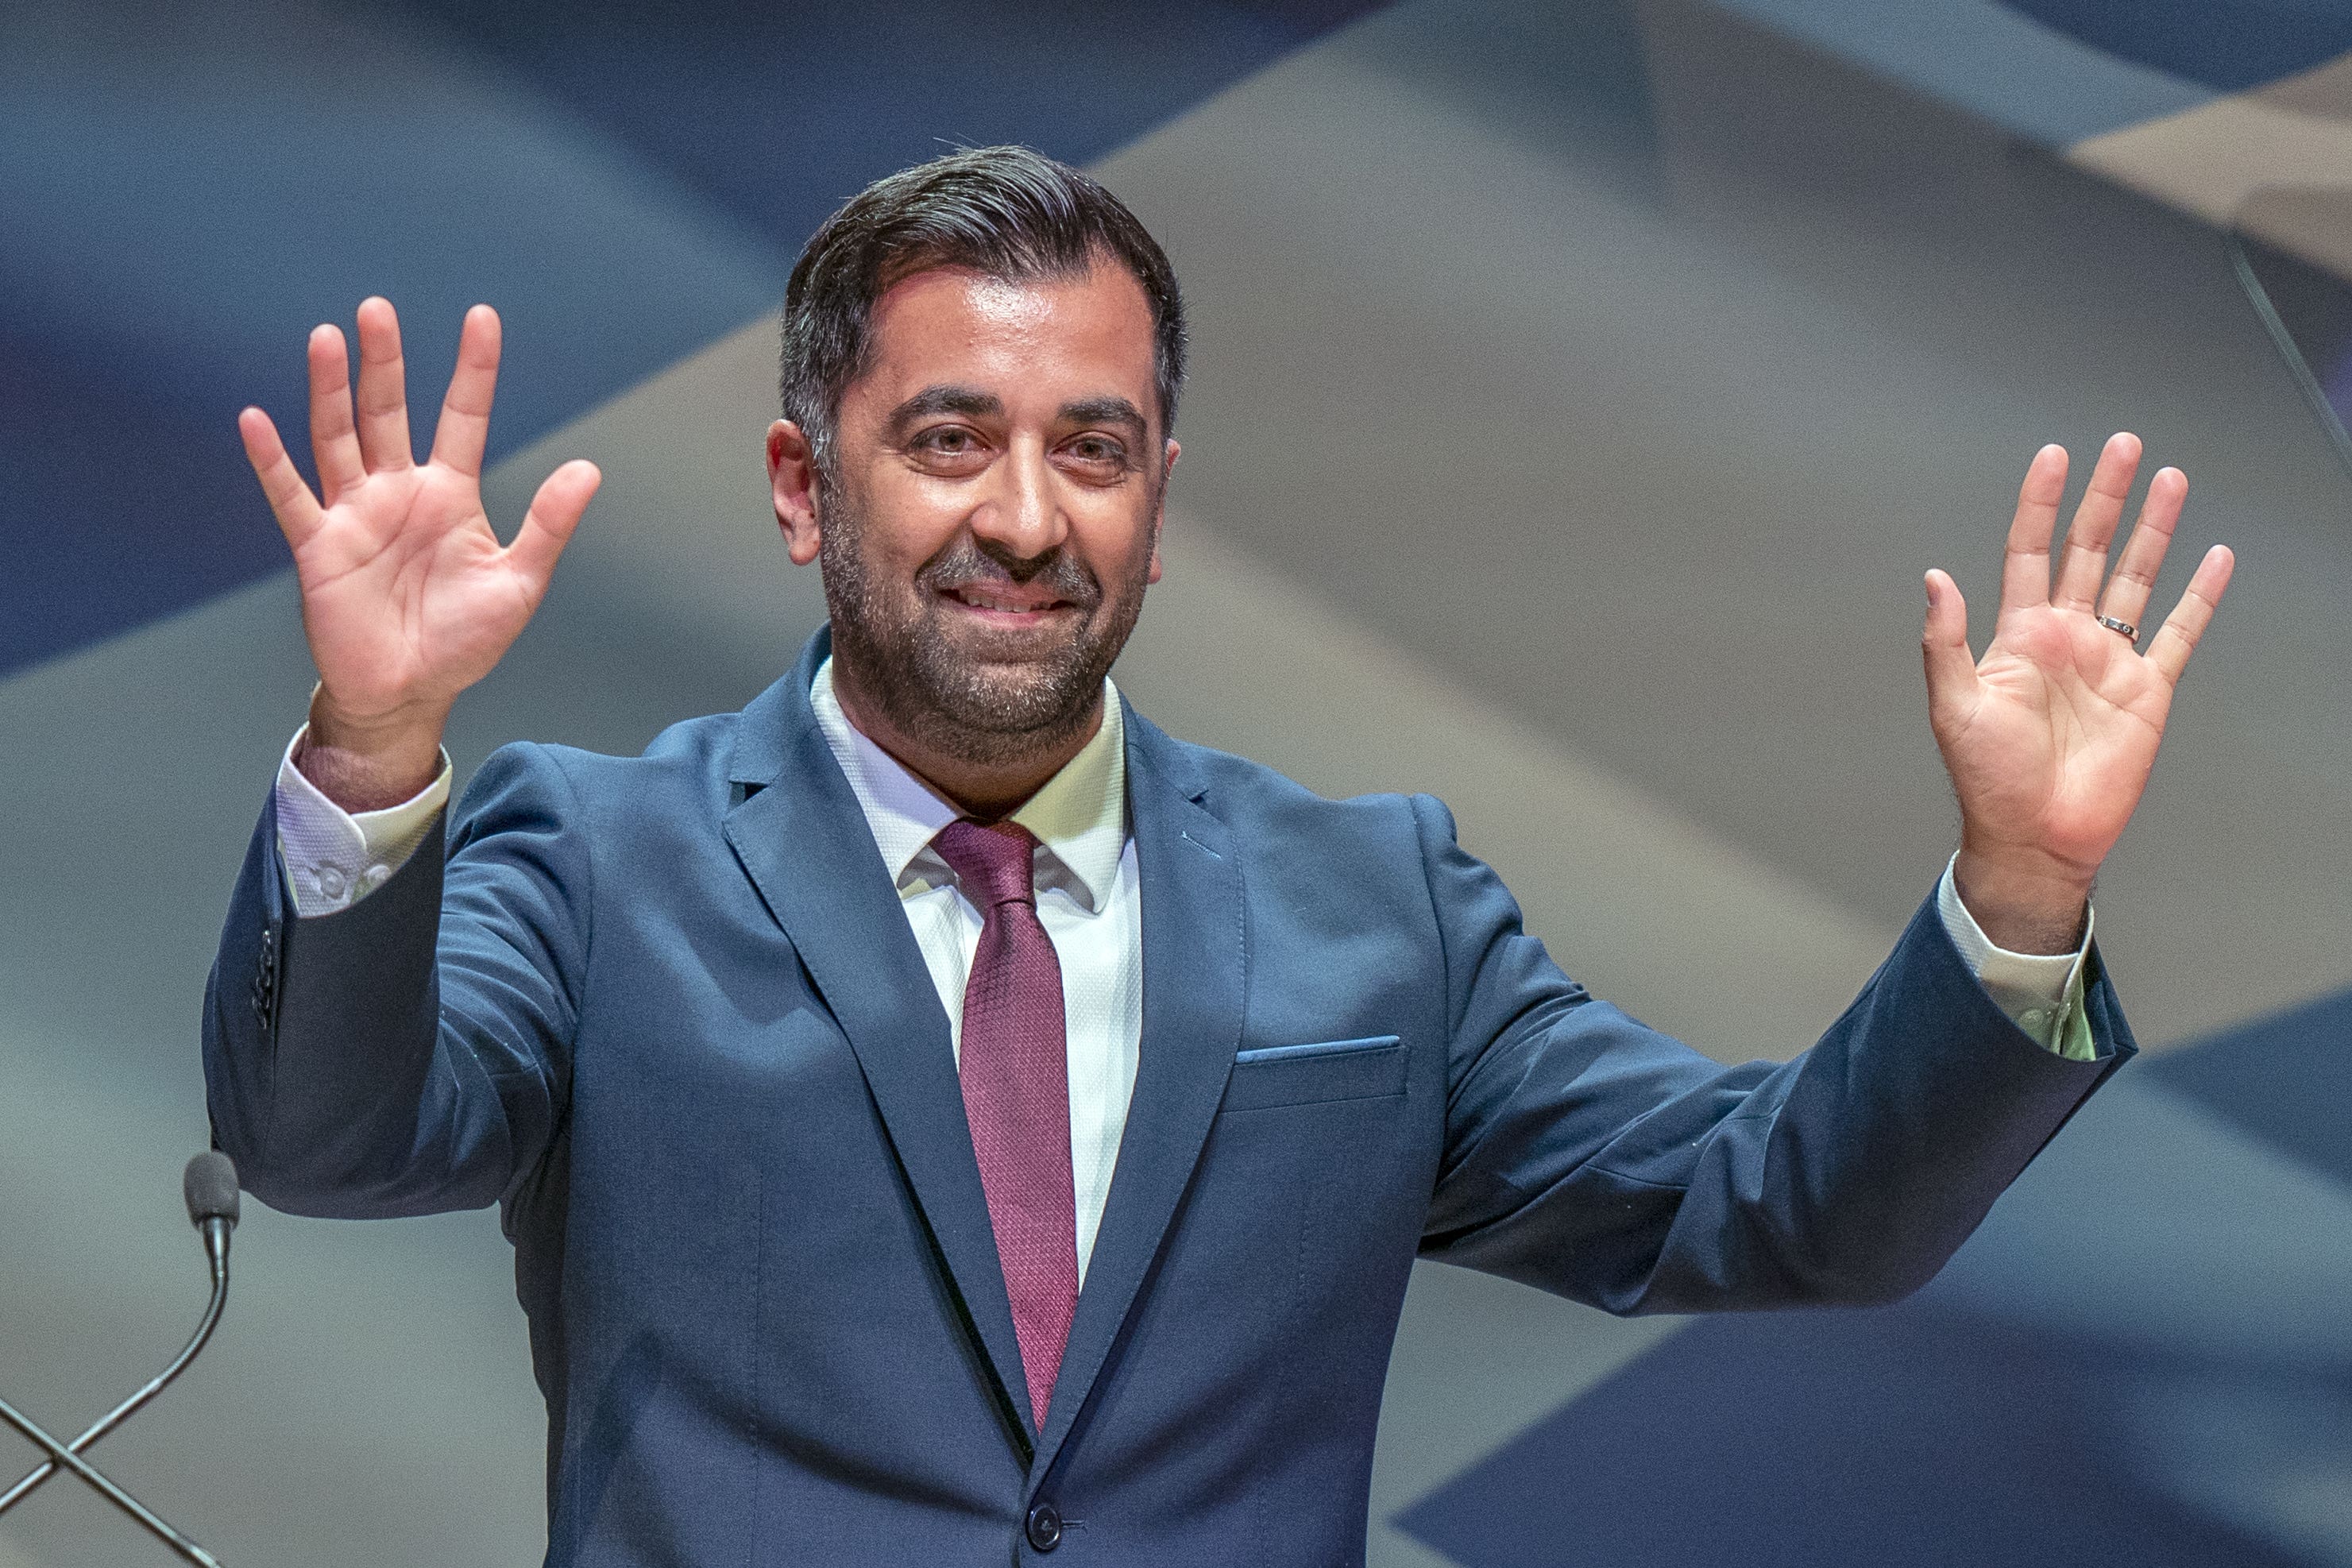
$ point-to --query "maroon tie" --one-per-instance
(1017, 1093)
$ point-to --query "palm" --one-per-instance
(2051, 736)
(407, 595)
(405, 589)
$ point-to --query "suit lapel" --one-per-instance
(803, 841)
(1193, 972)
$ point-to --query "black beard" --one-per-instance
(892, 636)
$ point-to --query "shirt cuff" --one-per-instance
(2042, 992)
(334, 858)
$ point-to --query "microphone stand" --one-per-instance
(211, 1187)
(59, 1453)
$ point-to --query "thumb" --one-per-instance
(1944, 646)
(554, 513)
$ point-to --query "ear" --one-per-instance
(1159, 507)
(792, 481)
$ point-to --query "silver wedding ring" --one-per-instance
(2128, 632)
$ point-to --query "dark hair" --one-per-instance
(1008, 212)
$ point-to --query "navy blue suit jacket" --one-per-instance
(667, 1013)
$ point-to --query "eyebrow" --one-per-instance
(967, 401)
(974, 404)
(1106, 411)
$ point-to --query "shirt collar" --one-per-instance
(1079, 816)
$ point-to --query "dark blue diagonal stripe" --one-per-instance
(188, 188)
(2286, 1079)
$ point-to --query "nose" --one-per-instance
(1024, 515)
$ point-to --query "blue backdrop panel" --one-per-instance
(777, 112)
(1829, 1438)
(1989, 58)
(2140, 1360)
(2286, 1079)
(190, 187)
(2227, 45)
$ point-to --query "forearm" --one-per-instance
(2041, 994)
(2025, 903)
(409, 1052)
(1599, 1160)
(321, 1038)
(1857, 1175)
(334, 858)
(367, 763)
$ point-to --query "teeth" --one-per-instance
(983, 600)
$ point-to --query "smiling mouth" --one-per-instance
(1005, 603)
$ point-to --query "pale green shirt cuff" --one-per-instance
(2042, 992)
(332, 857)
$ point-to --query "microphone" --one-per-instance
(209, 1185)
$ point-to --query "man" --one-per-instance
(940, 1117)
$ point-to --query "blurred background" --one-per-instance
(1581, 392)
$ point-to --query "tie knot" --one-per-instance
(992, 859)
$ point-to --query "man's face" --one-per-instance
(995, 515)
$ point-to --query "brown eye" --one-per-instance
(948, 448)
(1097, 452)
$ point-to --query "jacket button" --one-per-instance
(1044, 1527)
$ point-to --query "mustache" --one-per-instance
(966, 563)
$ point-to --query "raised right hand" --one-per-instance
(407, 597)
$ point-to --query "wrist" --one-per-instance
(2024, 901)
(372, 763)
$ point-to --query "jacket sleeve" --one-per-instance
(411, 1054)
(1592, 1156)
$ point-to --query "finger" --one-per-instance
(1944, 645)
(547, 527)
(2176, 638)
(2086, 561)
(383, 389)
(2025, 569)
(464, 427)
(334, 443)
(290, 500)
(2127, 590)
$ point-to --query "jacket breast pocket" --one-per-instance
(1269, 1076)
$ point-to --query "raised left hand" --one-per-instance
(2050, 736)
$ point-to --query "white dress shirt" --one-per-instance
(1088, 899)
